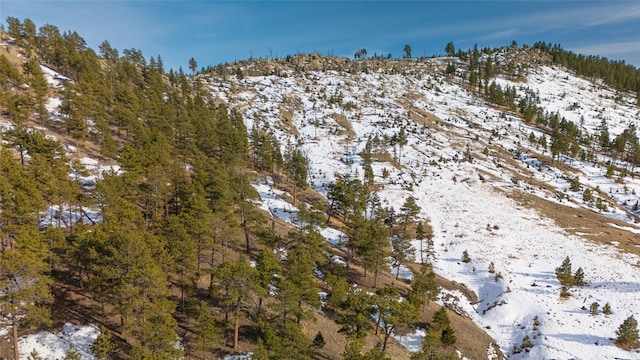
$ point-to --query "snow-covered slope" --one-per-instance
(457, 165)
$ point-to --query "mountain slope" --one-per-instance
(471, 167)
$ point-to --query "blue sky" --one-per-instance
(215, 32)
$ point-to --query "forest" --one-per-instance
(180, 254)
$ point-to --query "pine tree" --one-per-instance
(318, 341)
(357, 309)
(447, 336)
(431, 347)
(238, 282)
(393, 314)
(72, 353)
(103, 344)
(24, 255)
(372, 244)
(606, 309)
(402, 141)
(410, 209)
(627, 334)
(296, 166)
(578, 277)
(268, 272)
(564, 274)
(420, 235)
(34, 356)
(593, 309)
(424, 286)
(207, 333)
(401, 252)
(440, 319)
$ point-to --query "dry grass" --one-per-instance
(345, 124)
(583, 222)
(287, 120)
(335, 341)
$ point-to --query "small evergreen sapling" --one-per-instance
(526, 343)
(578, 277)
(34, 356)
(606, 309)
(563, 273)
(465, 257)
(318, 341)
(593, 309)
(72, 354)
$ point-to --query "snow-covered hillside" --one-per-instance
(462, 161)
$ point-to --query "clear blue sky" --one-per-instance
(215, 32)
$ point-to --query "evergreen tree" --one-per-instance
(407, 51)
(238, 282)
(207, 333)
(393, 313)
(450, 49)
(578, 277)
(296, 165)
(627, 334)
(72, 353)
(318, 341)
(410, 209)
(24, 255)
(401, 252)
(402, 141)
(268, 272)
(372, 246)
(103, 344)
(357, 310)
(424, 287)
(564, 274)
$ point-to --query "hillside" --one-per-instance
(480, 181)
(251, 206)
